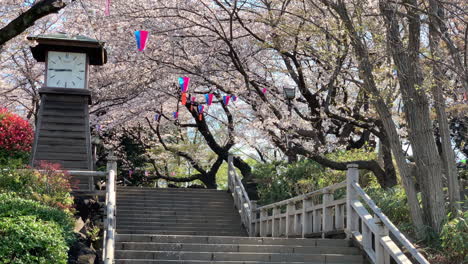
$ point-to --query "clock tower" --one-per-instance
(62, 128)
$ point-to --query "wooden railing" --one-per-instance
(332, 210)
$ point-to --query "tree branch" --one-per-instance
(28, 18)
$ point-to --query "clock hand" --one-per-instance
(60, 70)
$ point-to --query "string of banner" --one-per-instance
(141, 37)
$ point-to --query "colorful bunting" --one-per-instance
(264, 90)
(193, 99)
(184, 84)
(176, 115)
(226, 99)
(107, 9)
(184, 98)
(141, 38)
(234, 98)
(201, 108)
(209, 99)
(157, 117)
(200, 112)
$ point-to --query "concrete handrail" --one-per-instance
(109, 229)
(375, 227)
(389, 225)
(241, 198)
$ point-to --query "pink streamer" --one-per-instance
(143, 39)
(107, 9)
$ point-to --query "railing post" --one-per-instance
(253, 219)
(290, 208)
(352, 176)
(306, 216)
(263, 222)
(327, 213)
(231, 169)
(381, 256)
(111, 208)
(276, 222)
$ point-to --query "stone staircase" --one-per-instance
(202, 226)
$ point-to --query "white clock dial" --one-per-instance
(66, 69)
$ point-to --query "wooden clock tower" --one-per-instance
(62, 129)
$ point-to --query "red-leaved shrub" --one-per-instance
(16, 134)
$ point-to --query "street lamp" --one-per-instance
(289, 94)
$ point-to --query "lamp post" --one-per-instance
(289, 95)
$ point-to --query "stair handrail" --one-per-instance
(240, 196)
(110, 223)
(322, 214)
(379, 225)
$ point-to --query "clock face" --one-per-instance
(66, 69)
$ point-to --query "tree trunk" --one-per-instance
(448, 156)
(416, 108)
(209, 180)
(366, 69)
(390, 179)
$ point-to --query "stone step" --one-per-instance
(136, 200)
(180, 215)
(179, 206)
(180, 227)
(164, 200)
(175, 232)
(235, 248)
(169, 190)
(175, 208)
(237, 256)
(188, 221)
(187, 211)
(172, 218)
(233, 240)
(148, 261)
(161, 191)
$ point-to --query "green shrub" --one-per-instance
(27, 239)
(15, 207)
(454, 237)
(394, 205)
(50, 187)
(279, 181)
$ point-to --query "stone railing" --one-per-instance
(372, 231)
(313, 214)
(339, 208)
(241, 199)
